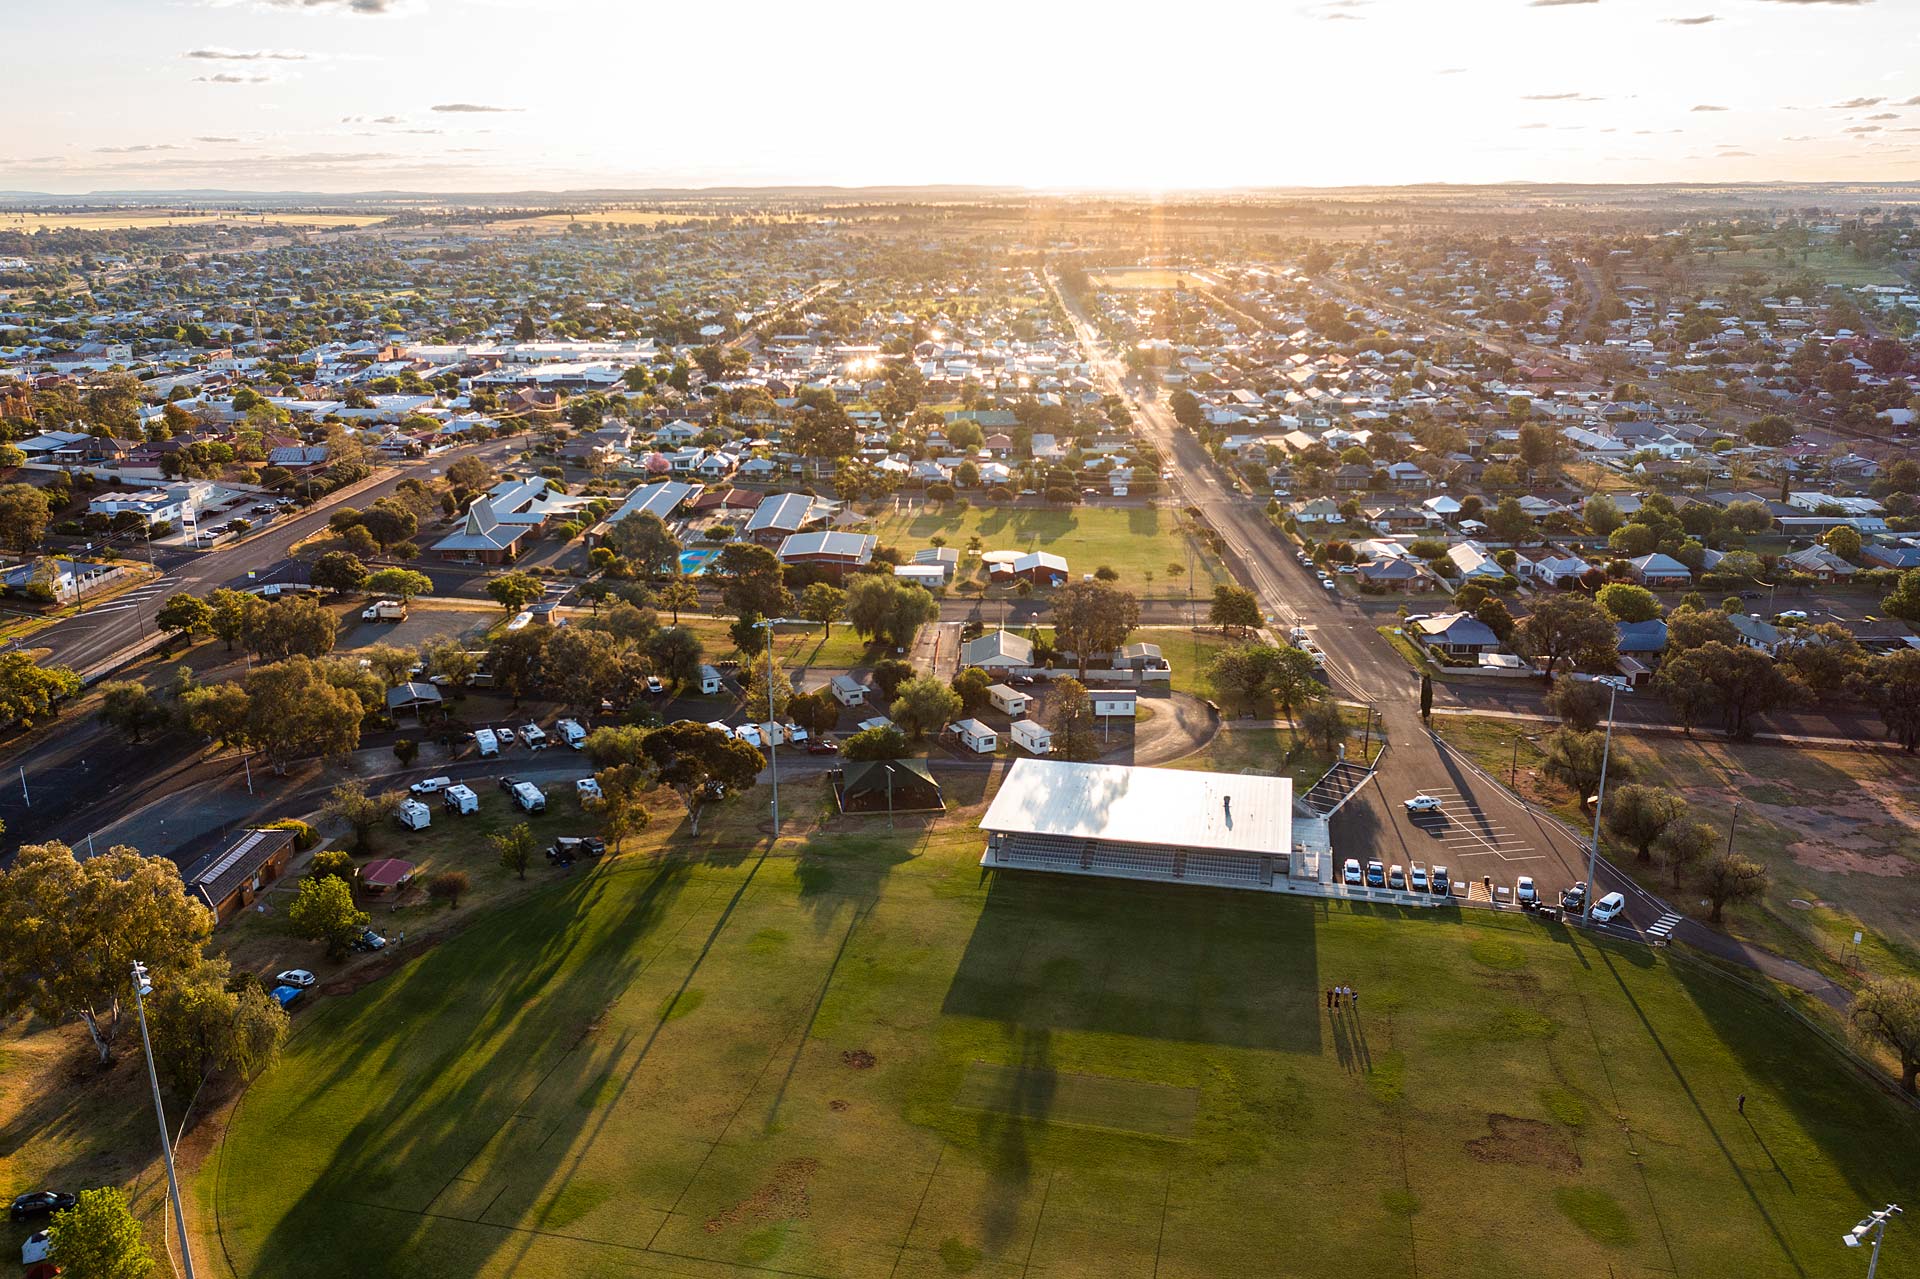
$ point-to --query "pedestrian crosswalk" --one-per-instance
(1663, 927)
(134, 598)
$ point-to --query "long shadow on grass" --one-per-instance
(1199, 965)
(444, 1055)
(1872, 1139)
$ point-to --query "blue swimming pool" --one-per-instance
(694, 562)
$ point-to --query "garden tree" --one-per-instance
(323, 911)
(1772, 431)
(1823, 659)
(1573, 759)
(1843, 541)
(1509, 521)
(1749, 517)
(1426, 696)
(677, 595)
(515, 590)
(216, 711)
(449, 886)
(361, 812)
(70, 931)
(616, 744)
(701, 765)
(24, 512)
(582, 667)
(752, 582)
(1074, 737)
(1602, 515)
(1639, 815)
(514, 848)
(29, 691)
(294, 711)
(821, 427)
(924, 705)
(1570, 629)
(198, 1024)
(470, 473)
(339, 572)
(356, 541)
(1685, 843)
(817, 712)
(1322, 721)
(130, 707)
(645, 542)
(822, 602)
(231, 609)
(970, 686)
(406, 750)
(1904, 601)
(629, 626)
(332, 861)
(517, 661)
(1626, 602)
(184, 614)
(675, 653)
(289, 626)
(1630, 541)
(390, 521)
(1496, 616)
(1234, 606)
(1745, 682)
(1730, 879)
(619, 807)
(1692, 625)
(1091, 618)
(884, 742)
(449, 659)
(763, 703)
(1239, 674)
(1186, 409)
(1886, 1012)
(888, 611)
(1579, 704)
(399, 583)
(1539, 449)
(890, 674)
(1891, 684)
(1290, 681)
(390, 662)
(98, 1238)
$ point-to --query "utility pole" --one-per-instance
(141, 987)
(1731, 825)
(1599, 801)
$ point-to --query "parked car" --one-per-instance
(1417, 878)
(505, 736)
(1329, 583)
(1350, 873)
(822, 746)
(1575, 898)
(1441, 884)
(1609, 908)
(431, 785)
(40, 1203)
(508, 783)
(654, 686)
(1423, 804)
(1524, 892)
(1376, 875)
(295, 977)
(369, 940)
(1397, 877)
(286, 996)
(1791, 615)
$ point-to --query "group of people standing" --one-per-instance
(1342, 997)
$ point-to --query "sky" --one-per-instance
(506, 95)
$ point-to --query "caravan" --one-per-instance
(535, 737)
(461, 799)
(413, 814)
(486, 742)
(571, 733)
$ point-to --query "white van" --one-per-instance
(530, 797)
(487, 742)
(1608, 908)
(461, 799)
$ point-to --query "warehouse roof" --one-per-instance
(1228, 812)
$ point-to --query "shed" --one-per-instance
(1008, 701)
(388, 872)
(231, 878)
(1032, 736)
(888, 785)
(975, 736)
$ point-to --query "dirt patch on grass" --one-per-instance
(387, 961)
(1846, 861)
(837, 1106)
(782, 1197)
(1512, 1140)
(858, 1059)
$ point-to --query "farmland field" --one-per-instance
(1830, 264)
(1133, 541)
(1144, 281)
(858, 1057)
(139, 219)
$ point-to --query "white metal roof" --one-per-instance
(1229, 812)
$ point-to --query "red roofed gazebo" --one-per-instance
(388, 872)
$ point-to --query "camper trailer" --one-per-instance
(535, 737)
(571, 733)
(461, 799)
(975, 736)
(1031, 736)
(413, 814)
(1008, 701)
(530, 797)
(486, 742)
(848, 691)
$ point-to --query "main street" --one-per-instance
(1487, 831)
(96, 634)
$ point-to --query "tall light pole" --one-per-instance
(773, 751)
(1614, 684)
(141, 987)
(1875, 1224)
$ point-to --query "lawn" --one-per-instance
(1138, 543)
(1831, 264)
(794, 646)
(858, 1057)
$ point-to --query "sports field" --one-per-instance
(1133, 541)
(865, 1061)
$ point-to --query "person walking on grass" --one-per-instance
(1329, 996)
(1353, 998)
(1740, 1105)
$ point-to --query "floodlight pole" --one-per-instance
(1875, 1224)
(1599, 801)
(141, 985)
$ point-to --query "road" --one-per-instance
(1486, 831)
(91, 637)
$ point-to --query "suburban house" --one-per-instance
(1456, 636)
(1474, 562)
(661, 499)
(782, 514)
(1658, 571)
(1321, 510)
(1757, 633)
(1040, 568)
(1819, 562)
(840, 551)
(1900, 557)
(233, 877)
(1397, 573)
(997, 651)
(1549, 566)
